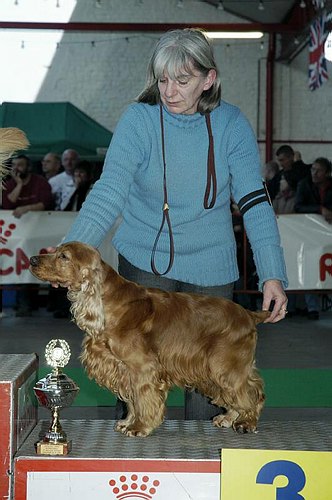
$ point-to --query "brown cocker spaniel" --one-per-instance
(139, 342)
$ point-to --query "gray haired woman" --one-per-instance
(177, 156)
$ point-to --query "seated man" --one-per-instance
(63, 184)
(296, 169)
(314, 196)
(25, 192)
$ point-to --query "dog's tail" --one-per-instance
(11, 139)
(259, 316)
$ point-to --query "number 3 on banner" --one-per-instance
(292, 471)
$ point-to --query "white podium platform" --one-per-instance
(180, 461)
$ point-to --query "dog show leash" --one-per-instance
(210, 181)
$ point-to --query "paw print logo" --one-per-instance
(6, 233)
(134, 487)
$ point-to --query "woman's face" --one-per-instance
(182, 95)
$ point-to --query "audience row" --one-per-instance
(64, 182)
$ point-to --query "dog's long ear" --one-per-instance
(87, 305)
(11, 139)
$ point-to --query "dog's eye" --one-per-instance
(63, 256)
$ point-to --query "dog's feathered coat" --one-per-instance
(141, 341)
(11, 139)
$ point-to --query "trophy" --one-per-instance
(55, 391)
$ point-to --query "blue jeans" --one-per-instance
(197, 407)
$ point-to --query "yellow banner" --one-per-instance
(276, 475)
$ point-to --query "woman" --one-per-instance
(176, 156)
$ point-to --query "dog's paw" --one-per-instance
(225, 420)
(244, 427)
(222, 421)
(132, 432)
(121, 426)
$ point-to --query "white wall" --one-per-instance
(102, 72)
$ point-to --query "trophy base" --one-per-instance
(47, 448)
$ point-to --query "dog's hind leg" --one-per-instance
(251, 400)
(244, 406)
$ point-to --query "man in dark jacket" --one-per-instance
(296, 169)
(314, 196)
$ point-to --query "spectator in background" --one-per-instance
(297, 156)
(51, 165)
(83, 180)
(284, 203)
(270, 169)
(82, 175)
(63, 184)
(296, 168)
(284, 200)
(314, 196)
(25, 192)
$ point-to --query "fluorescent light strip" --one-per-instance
(234, 34)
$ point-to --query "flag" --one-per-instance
(317, 62)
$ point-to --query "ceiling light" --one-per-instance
(261, 5)
(234, 34)
(302, 4)
(220, 5)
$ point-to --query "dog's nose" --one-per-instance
(34, 260)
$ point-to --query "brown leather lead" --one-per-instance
(166, 217)
(211, 170)
(211, 178)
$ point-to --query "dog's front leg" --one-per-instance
(147, 402)
(122, 425)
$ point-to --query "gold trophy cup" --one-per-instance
(55, 391)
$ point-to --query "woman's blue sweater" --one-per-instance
(131, 185)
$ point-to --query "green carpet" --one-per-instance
(283, 388)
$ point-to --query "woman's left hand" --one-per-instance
(273, 291)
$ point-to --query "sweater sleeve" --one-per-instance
(109, 194)
(260, 220)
